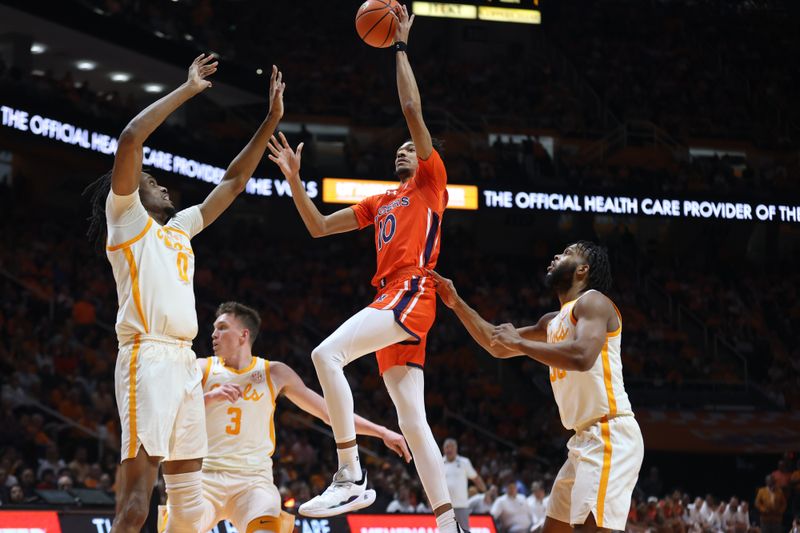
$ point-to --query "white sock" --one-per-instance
(348, 457)
(187, 510)
(447, 521)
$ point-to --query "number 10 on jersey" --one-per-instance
(386, 230)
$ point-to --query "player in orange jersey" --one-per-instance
(407, 224)
(158, 390)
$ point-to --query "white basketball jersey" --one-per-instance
(154, 268)
(597, 392)
(241, 435)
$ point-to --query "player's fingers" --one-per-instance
(273, 145)
(209, 57)
(273, 159)
(284, 142)
(411, 21)
(299, 151)
(406, 452)
(198, 58)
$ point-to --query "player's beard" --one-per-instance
(170, 211)
(559, 279)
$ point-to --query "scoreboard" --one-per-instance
(515, 11)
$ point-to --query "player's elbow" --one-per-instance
(412, 108)
(584, 362)
(131, 136)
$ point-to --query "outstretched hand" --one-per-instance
(397, 444)
(445, 289)
(200, 69)
(404, 23)
(276, 88)
(288, 160)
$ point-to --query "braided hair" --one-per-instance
(97, 191)
(599, 265)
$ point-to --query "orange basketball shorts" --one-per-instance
(413, 302)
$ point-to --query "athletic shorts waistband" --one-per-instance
(402, 274)
(605, 418)
(171, 341)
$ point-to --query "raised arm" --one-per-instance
(242, 167)
(480, 329)
(128, 158)
(317, 224)
(407, 87)
(287, 382)
(594, 312)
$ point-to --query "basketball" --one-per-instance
(375, 23)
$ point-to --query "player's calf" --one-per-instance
(131, 514)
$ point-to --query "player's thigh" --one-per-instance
(257, 504)
(611, 455)
(363, 333)
(189, 442)
(552, 525)
(559, 505)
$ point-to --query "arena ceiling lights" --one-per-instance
(476, 12)
(38, 48)
(120, 77)
(86, 65)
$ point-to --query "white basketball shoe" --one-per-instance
(342, 496)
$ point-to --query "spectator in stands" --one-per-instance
(783, 475)
(511, 510)
(538, 504)
(771, 504)
(65, 483)
(458, 472)
(27, 481)
(4, 488)
(652, 484)
(16, 495)
(482, 503)
(50, 461)
(79, 465)
(401, 502)
(47, 480)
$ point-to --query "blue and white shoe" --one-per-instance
(344, 495)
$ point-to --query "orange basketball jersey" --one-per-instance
(408, 222)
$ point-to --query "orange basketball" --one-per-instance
(375, 23)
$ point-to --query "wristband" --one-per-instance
(400, 46)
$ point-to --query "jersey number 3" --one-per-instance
(386, 230)
(236, 421)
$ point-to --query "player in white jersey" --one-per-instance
(158, 389)
(240, 393)
(581, 345)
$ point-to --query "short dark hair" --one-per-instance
(599, 265)
(248, 316)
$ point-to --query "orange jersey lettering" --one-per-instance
(408, 221)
